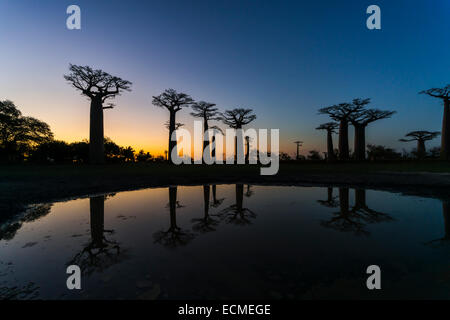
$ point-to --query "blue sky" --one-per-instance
(284, 59)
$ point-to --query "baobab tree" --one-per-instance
(420, 137)
(98, 86)
(444, 95)
(360, 120)
(174, 102)
(236, 119)
(330, 127)
(206, 111)
(299, 144)
(341, 113)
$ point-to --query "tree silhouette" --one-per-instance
(174, 236)
(444, 95)
(360, 120)
(420, 137)
(330, 127)
(331, 201)
(236, 213)
(206, 111)
(299, 144)
(98, 86)
(236, 119)
(341, 113)
(206, 223)
(216, 202)
(353, 220)
(19, 134)
(446, 238)
(174, 102)
(215, 130)
(100, 253)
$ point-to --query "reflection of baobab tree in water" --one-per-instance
(174, 236)
(236, 213)
(216, 202)
(100, 253)
(331, 201)
(205, 224)
(355, 219)
(446, 238)
(249, 191)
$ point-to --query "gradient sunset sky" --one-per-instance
(284, 59)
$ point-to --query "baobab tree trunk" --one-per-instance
(96, 135)
(330, 149)
(97, 218)
(344, 200)
(445, 134)
(173, 208)
(446, 212)
(239, 197)
(360, 142)
(360, 198)
(421, 150)
(205, 132)
(213, 146)
(343, 140)
(206, 196)
(247, 153)
(172, 144)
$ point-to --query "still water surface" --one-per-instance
(230, 242)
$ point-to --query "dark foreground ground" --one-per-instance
(25, 184)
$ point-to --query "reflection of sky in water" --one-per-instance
(258, 242)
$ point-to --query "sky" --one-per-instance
(283, 59)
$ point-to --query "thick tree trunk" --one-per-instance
(360, 199)
(421, 150)
(343, 140)
(213, 146)
(360, 142)
(446, 212)
(173, 207)
(206, 196)
(344, 202)
(205, 143)
(445, 134)
(330, 195)
(330, 150)
(172, 144)
(97, 210)
(247, 153)
(96, 135)
(239, 197)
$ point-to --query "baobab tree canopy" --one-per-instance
(172, 100)
(421, 135)
(96, 83)
(238, 117)
(329, 126)
(441, 93)
(204, 110)
(364, 117)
